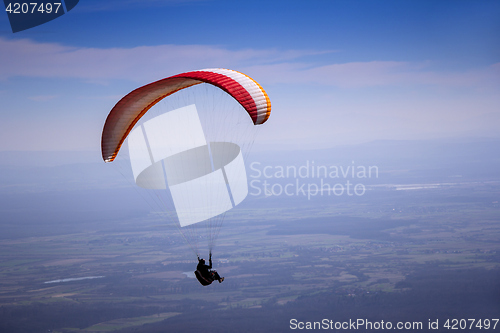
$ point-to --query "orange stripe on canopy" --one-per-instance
(127, 112)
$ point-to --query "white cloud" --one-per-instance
(32, 59)
(146, 63)
(42, 98)
(375, 73)
(457, 102)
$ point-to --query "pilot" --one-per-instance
(206, 271)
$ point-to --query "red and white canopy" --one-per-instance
(127, 112)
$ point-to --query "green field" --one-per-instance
(310, 249)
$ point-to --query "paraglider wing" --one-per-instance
(127, 112)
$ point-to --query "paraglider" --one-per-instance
(191, 157)
(205, 274)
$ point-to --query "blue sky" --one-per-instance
(337, 72)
